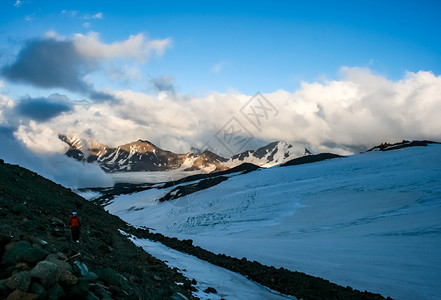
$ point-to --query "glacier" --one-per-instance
(371, 221)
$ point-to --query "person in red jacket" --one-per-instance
(74, 225)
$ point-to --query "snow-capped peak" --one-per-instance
(270, 155)
(142, 155)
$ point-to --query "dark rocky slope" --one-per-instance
(310, 159)
(401, 145)
(35, 245)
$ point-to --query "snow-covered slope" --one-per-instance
(371, 221)
(228, 284)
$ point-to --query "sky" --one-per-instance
(335, 76)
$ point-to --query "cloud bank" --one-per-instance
(57, 62)
(43, 109)
(360, 110)
(54, 166)
(135, 47)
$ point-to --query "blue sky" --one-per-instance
(248, 46)
(342, 75)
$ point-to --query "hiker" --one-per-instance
(74, 225)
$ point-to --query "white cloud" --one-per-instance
(135, 47)
(86, 25)
(6, 105)
(71, 13)
(98, 16)
(360, 109)
(18, 3)
(29, 17)
(70, 63)
(218, 67)
(73, 174)
(124, 74)
(14, 136)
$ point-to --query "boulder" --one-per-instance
(110, 276)
(38, 290)
(56, 292)
(60, 263)
(91, 277)
(4, 290)
(4, 240)
(108, 238)
(19, 209)
(20, 295)
(57, 222)
(91, 296)
(33, 256)
(82, 287)
(47, 272)
(210, 289)
(22, 266)
(67, 279)
(20, 281)
(61, 256)
(31, 239)
(14, 252)
(101, 291)
(3, 212)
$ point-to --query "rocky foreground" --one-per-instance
(39, 260)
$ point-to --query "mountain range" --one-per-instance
(142, 155)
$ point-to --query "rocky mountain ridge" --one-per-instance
(142, 155)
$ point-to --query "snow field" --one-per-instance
(371, 221)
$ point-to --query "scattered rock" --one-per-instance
(110, 276)
(3, 212)
(38, 290)
(101, 291)
(12, 256)
(91, 276)
(82, 287)
(91, 296)
(20, 295)
(47, 272)
(20, 281)
(22, 266)
(56, 292)
(179, 296)
(67, 279)
(211, 290)
(57, 222)
(61, 264)
(3, 287)
(19, 209)
(33, 255)
(5, 239)
(108, 238)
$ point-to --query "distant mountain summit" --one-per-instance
(270, 155)
(145, 156)
(400, 145)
